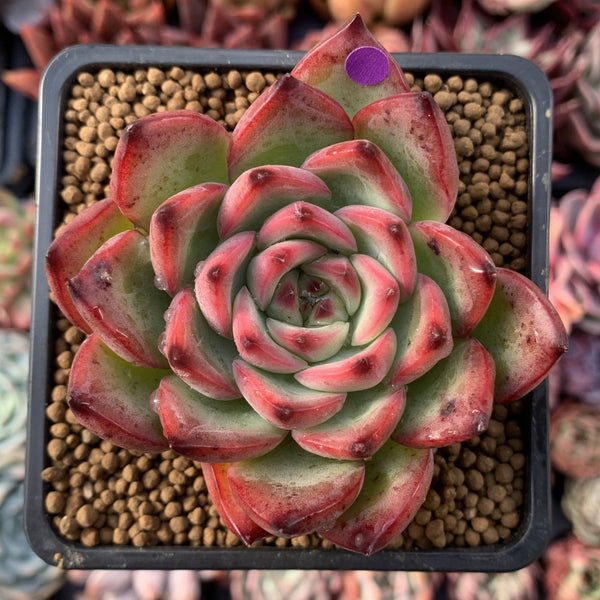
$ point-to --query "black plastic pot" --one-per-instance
(517, 74)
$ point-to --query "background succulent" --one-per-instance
(574, 258)
(572, 570)
(316, 314)
(577, 127)
(16, 242)
(224, 23)
(346, 585)
(24, 576)
(577, 371)
(518, 585)
(574, 443)
(581, 504)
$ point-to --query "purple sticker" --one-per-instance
(367, 65)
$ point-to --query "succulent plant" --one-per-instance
(224, 23)
(577, 128)
(518, 585)
(103, 584)
(574, 258)
(575, 440)
(581, 504)
(504, 7)
(286, 306)
(16, 242)
(24, 576)
(572, 570)
(389, 12)
(346, 585)
(578, 369)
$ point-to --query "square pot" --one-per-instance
(57, 544)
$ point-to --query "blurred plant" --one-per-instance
(16, 242)
(392, 39)
(504, 7)
(578, 369)
(23, 575)
(575, 440)
(557, 45)
(574, 258)
(572, 570)
(141, 585)
(388, 12)
(518, 585)
(324, 585)
(581, 505)
(577, 122)
(224, 23)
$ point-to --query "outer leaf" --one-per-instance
(462, 268)
(110, 397)
(219, 278)
(324, 67)
(207, 430)
(282, 401)
(385, 237)
(452, 402)
(182, 233)
(115, 293)
(353, 370)
(524, 334)
(259, 192)
(359, 429)
(195, 352)
(285, 124)
(289, 491)
(234, 517)
(396, 483)
(424, 331)
(162, 154)
(75, 243)
(358, 172)
(412, 130)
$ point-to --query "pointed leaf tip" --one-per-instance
(285, 124)
(524, 334)
(325, 67)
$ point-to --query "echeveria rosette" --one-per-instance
(286, 306)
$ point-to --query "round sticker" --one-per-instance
(367, 65)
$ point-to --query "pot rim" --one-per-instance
(531, 539)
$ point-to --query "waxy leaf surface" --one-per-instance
(289, 491)
(285, 124)
(524, 334)
(324, 67)
(208, 430)
(396, 483)
(115, 293)
(412, 131)
(197, 354)
(452, 402)
(76, 243)
(234, 517)
(110, 397)
(163, 154)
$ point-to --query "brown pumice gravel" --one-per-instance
(98, 494)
